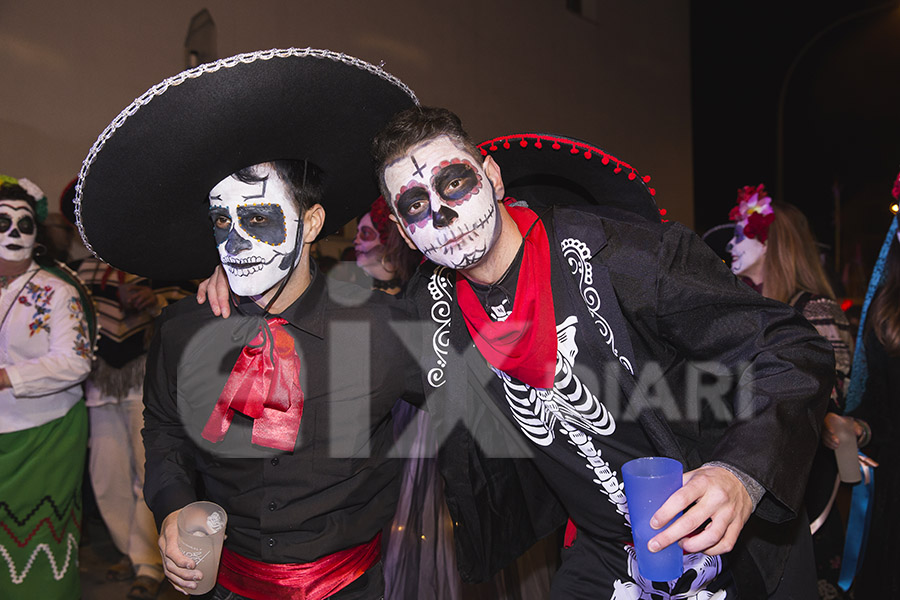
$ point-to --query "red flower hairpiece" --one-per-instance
(896, 191)
(380, 214)
(753, 212)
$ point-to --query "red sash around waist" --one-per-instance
(302, 581)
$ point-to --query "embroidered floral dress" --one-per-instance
(46, 351)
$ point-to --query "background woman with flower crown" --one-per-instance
(773, 250)
(45, 352)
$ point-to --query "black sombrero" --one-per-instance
(544, 169)
(717, 238)
(141, 198)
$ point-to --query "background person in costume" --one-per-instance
(541, 280)
(774, 249)
(380, 251)
(126, 305)
(45, 353)
(281, 416)
(872, 405)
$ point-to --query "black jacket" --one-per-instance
(676, 303)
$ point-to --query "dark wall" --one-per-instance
(834, 65)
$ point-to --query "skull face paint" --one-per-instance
(367, 243)
(747, 255)
(17, 230)
(255, 225)
(445, 202)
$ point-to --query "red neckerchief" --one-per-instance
(264, 385)
(524, 345)
(302, 581)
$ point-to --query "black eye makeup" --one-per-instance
(5, 223)
(26, 225)
(263, 222)
(221, 221)
(456, 183)
(413, 204)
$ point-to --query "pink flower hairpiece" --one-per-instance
(896, 191)
(753, 213)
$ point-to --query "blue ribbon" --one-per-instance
(857, 526)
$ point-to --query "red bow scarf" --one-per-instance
(524, 345)
(264, 385)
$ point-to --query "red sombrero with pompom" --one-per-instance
(544, 169)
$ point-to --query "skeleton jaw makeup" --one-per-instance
(256, 229)
(747, 256)
(17, 230)
(445, 202)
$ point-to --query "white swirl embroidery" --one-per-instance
(440, 287)
(577, 255)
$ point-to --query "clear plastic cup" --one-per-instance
(846, 453)
(649, 482)
(201, 532)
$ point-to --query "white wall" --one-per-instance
(505, 66)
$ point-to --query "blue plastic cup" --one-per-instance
(648, 484)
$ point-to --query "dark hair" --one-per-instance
(884, 314)
(14, 191)
(302, 178)
(412, 126)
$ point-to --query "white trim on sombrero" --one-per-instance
(246, 58)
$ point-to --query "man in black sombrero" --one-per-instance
(282, 416)
(564, 305)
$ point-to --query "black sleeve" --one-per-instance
(169, 483)
(874, 408)
(786, 369)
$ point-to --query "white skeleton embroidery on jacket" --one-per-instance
(571, 410)
(699, 570)
(568, 409)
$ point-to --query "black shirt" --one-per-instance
(337, 489)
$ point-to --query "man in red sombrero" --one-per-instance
(593, 326)
(282, 416)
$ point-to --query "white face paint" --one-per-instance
(445, 202)
(17, 230)
(255, 225)
(367, 244)
(747, 257)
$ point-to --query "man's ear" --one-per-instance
(403, 232)
(492, 170)
(313, 220)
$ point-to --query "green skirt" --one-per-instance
(41, 471)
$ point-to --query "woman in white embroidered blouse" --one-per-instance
(45, 354)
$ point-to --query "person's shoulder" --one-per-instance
(821, 306)
(57, 277)
(185, 310)
(613, 219)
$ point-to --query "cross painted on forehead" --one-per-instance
(418, 170)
